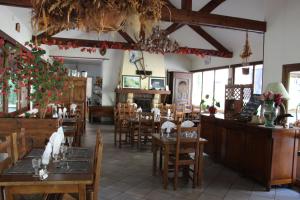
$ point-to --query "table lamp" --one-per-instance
(278, 88)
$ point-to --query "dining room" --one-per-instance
(150, 100)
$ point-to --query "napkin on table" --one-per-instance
(168, 126)
(47, 154)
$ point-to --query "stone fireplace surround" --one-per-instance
(146, 99)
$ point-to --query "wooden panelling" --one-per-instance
(267, 155)
(39, 130)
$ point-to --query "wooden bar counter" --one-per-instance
(268, 155)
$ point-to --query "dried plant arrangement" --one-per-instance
(94, 15)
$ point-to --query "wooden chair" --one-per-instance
(184, 147)
(93, 190)
(146, 127)
(20, 147)
(6, 151)
(195, 112)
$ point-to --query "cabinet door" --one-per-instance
(235, 143)
(79, 90)
(258, 153)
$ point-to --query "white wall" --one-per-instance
(282, 43)
(8, 22)
(234, 41)
(178, 63)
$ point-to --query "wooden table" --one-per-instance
(55, 183)
(165, 143)
(101, 111)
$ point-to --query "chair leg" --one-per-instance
(175, 177)
(120, 139)
(115, 137)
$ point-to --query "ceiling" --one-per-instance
(233, 40)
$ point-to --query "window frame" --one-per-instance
(229, 67)
(19, 108)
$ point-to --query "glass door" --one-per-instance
(291, 81)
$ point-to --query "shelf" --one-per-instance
(139, 91)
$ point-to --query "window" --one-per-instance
(243, 75)
(251, 74)
(209, 86)
(221, 80)
(197, 88)
(294, 94)
(12, 98)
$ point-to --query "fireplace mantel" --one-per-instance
(140, 91)
(156, 94)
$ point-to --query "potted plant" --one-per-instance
(213, 108)
(28, 69)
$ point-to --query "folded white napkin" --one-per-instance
(61, 134)
(60, 113)
(168, 126)
(187, 124)
(73, 108)
(156, 111)
(58, 138)
(139, 109)
(65, 112)
(47, 154)
(52, 137)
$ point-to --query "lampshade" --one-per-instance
(278, 87)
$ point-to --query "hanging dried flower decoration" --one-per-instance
(93, 15)
(246, 51)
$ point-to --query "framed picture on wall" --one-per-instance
(133, 82)
(157, 83)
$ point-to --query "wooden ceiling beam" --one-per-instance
(188, 17)
(210, 6)
(186, 4)
(172, 28)
(129, 46)
(126, 36)
(212, 20)
(17, 3)
(209, 38)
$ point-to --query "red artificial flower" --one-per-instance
(2, 42)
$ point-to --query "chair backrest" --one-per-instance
(19, 144)
(6, 149)
(179, 116)
(97, 163)
(146, 122)
(186, 142)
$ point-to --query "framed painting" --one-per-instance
(133, 82)
(157, 83)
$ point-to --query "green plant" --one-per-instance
(28, 69)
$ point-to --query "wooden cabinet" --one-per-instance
(268, 155)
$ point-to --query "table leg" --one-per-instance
(166, 166)
(160, 159)
(8, 194)
(154, 150)
(82, 192)
(200, 165)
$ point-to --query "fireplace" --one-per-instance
(144, 101)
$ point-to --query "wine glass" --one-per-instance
(70, 140)
(36, 164)
(63, 151)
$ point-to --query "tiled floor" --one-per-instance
(127, 175)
